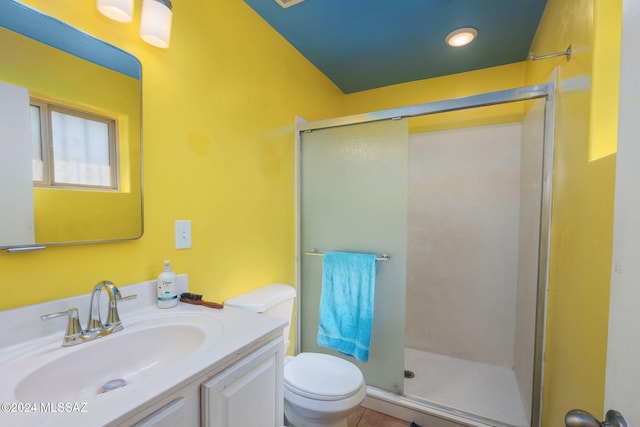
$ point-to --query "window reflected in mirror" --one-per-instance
(73, 148)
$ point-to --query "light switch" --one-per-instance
(183, 234)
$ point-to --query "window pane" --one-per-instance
(36, 145)
(80, 150)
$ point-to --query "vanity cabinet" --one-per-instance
(247, 391)
(170, 415)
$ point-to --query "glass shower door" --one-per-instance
(353, 198)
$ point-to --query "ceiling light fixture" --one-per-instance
(155, 22)
(118, 10)
(461, 36)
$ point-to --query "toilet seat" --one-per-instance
(322, 377)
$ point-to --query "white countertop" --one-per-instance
(29, 343)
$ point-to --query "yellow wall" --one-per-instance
(218, 115)
(582, 215)
(442, 88)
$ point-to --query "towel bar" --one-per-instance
(383, 257)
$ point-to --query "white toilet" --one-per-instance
(319, 390)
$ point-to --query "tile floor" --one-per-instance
(363, 417)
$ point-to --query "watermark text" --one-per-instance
(45, 407)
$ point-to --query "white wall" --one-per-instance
(16, 198)
(622, 391)
(464, 197)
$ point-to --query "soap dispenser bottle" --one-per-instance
(167, 287)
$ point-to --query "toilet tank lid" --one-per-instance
(262, 299)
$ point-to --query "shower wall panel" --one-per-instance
(462, 262)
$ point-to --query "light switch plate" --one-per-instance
(183, 234)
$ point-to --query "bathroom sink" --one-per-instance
(115, 380)
(142, 350)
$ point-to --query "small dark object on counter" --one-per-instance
(196, 299)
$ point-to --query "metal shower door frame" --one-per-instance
(526, 93)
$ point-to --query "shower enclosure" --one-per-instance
(463, 213)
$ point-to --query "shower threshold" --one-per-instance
(410, 408)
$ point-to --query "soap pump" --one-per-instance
(166, 287)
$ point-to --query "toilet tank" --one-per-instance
(273, 300)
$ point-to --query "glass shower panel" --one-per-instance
(353, 198)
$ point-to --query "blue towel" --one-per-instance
(346, 303)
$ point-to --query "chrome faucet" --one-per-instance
(113, 319)
(95, 328)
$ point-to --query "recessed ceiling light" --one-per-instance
(461, 36)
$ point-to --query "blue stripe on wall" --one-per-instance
(32, 23)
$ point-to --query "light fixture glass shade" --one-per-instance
(155, 23)
(461, 36)
(118, 10)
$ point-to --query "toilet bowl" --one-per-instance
(320, 390)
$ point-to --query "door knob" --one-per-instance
(580, 418)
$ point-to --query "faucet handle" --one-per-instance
(74, 330)
(127, 298)
(113, 318)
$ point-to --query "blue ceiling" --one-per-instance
(367, 44)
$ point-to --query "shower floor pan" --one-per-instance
(449, 392)
(486, 391)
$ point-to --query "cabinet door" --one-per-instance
(248, 393)
(170, 415)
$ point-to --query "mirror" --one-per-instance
(57, 63)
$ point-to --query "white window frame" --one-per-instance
(48, 179)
